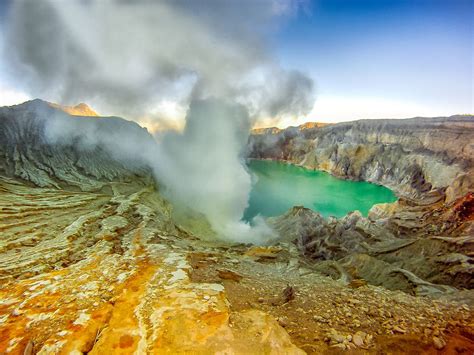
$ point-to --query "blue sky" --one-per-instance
(384, 53)
(372, 58)
(416, 53)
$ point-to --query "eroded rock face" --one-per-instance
(425, 237)
(49, 148)
(410, 156)
(109, 273)
(91, 261)
(434, 242)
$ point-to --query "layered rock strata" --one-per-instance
(427, 236)
(110, 272)
(43, 145)
(91, 261)
(411, 156)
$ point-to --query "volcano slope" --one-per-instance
(91, 261)
(427, 236)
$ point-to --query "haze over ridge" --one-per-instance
(217, 64)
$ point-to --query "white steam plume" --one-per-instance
(204, 167)
(126, 56)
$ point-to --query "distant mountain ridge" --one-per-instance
(410, 155)
(426, 235)
(422, 242)
(81, 109)
(42, 143)
(274, 130)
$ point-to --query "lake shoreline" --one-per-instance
(279, 189)
(391, 187)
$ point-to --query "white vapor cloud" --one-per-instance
(204, 167)
(132, 57)
(123, 56)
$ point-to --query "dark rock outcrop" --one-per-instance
(96, 271)
(417, 244)
(419, 263)
(410, 156)
(46, 146)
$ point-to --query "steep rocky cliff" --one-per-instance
(91, 261)
(426, 236)
(46, 146)
(410, 156)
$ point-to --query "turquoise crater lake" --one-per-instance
(281, 186)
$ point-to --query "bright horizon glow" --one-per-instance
(171, 116)
(356, 108)
(334, 109)
(327, 109)
(9, 97)
(369, 59)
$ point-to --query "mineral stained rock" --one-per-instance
(91, 261)
(421, 244)
(411, 156)
(44, 145)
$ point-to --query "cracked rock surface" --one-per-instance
(91, 261)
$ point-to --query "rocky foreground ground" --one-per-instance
(426, 237)
(110, 273)
(92, 261)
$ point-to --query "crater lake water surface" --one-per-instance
(281, 186)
